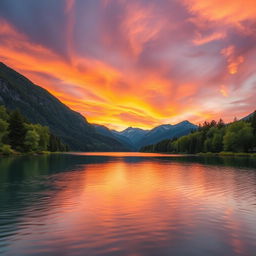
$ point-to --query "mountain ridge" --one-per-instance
(40, 106)
(139, 137)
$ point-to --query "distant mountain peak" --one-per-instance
(140, 137)
(133, 129)
(185, 122)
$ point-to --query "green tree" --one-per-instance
(55, 144)
(238, 137)
(31, 140)
(44, 136)
(43, 133)
(220, 124)
(6, 150)
(17, 131)
(3, 129)
(208, 145)
(214, 138)
(3, 113)
(217, 141)
(253, 122)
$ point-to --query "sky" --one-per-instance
(137, 63)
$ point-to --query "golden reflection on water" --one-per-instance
(153, 197)
(133, 205)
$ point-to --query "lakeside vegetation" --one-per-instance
(213, 138)
(17, 135)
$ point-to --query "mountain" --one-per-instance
(133, 134)
(39, 106)
(139, 137)
(103, 130)
(248, 116)
(168, 131)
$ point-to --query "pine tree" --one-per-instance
(220, 123)
(3, 129)
(17, 131)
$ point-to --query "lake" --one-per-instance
(127, 204)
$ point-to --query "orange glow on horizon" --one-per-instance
(146, 76)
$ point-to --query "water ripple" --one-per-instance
(126, 205)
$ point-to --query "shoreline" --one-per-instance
(211, 154)
(227, 154)
(208, 154)
(30, 153)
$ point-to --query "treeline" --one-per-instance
(19, 135)
(215, 137)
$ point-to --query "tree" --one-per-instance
(31, 140)
(238, 137)
(17, 131)
(214, 138)
(253, 122)
(43, 133)
(208, 145)
(55, 144)
(3, 113)
(6, 150)
(3, 130)
(217, 141)
(220, 124)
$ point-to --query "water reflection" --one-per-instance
(119, 204)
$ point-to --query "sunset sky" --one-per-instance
(137, 63)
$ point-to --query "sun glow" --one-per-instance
(144, 69)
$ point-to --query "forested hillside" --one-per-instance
(19, 135)
(238, 136)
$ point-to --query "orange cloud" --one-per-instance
(200, 39)
(229, 11)
(224, 91)
(232, 60)
(86, 77)
(143, 71)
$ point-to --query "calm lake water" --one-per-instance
(127, 204)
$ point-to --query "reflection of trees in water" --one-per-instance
(16, 170)
(240, 162)
(22, 179)
(26, 181)
(30, 175)
(28, 184)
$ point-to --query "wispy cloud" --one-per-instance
(139, 63)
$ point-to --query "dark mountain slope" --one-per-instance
(246, 118)
(133, 134)
(166, 131)
(101, 129)
(39, 106)
(140, 137)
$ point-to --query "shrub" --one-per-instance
(6, 150)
